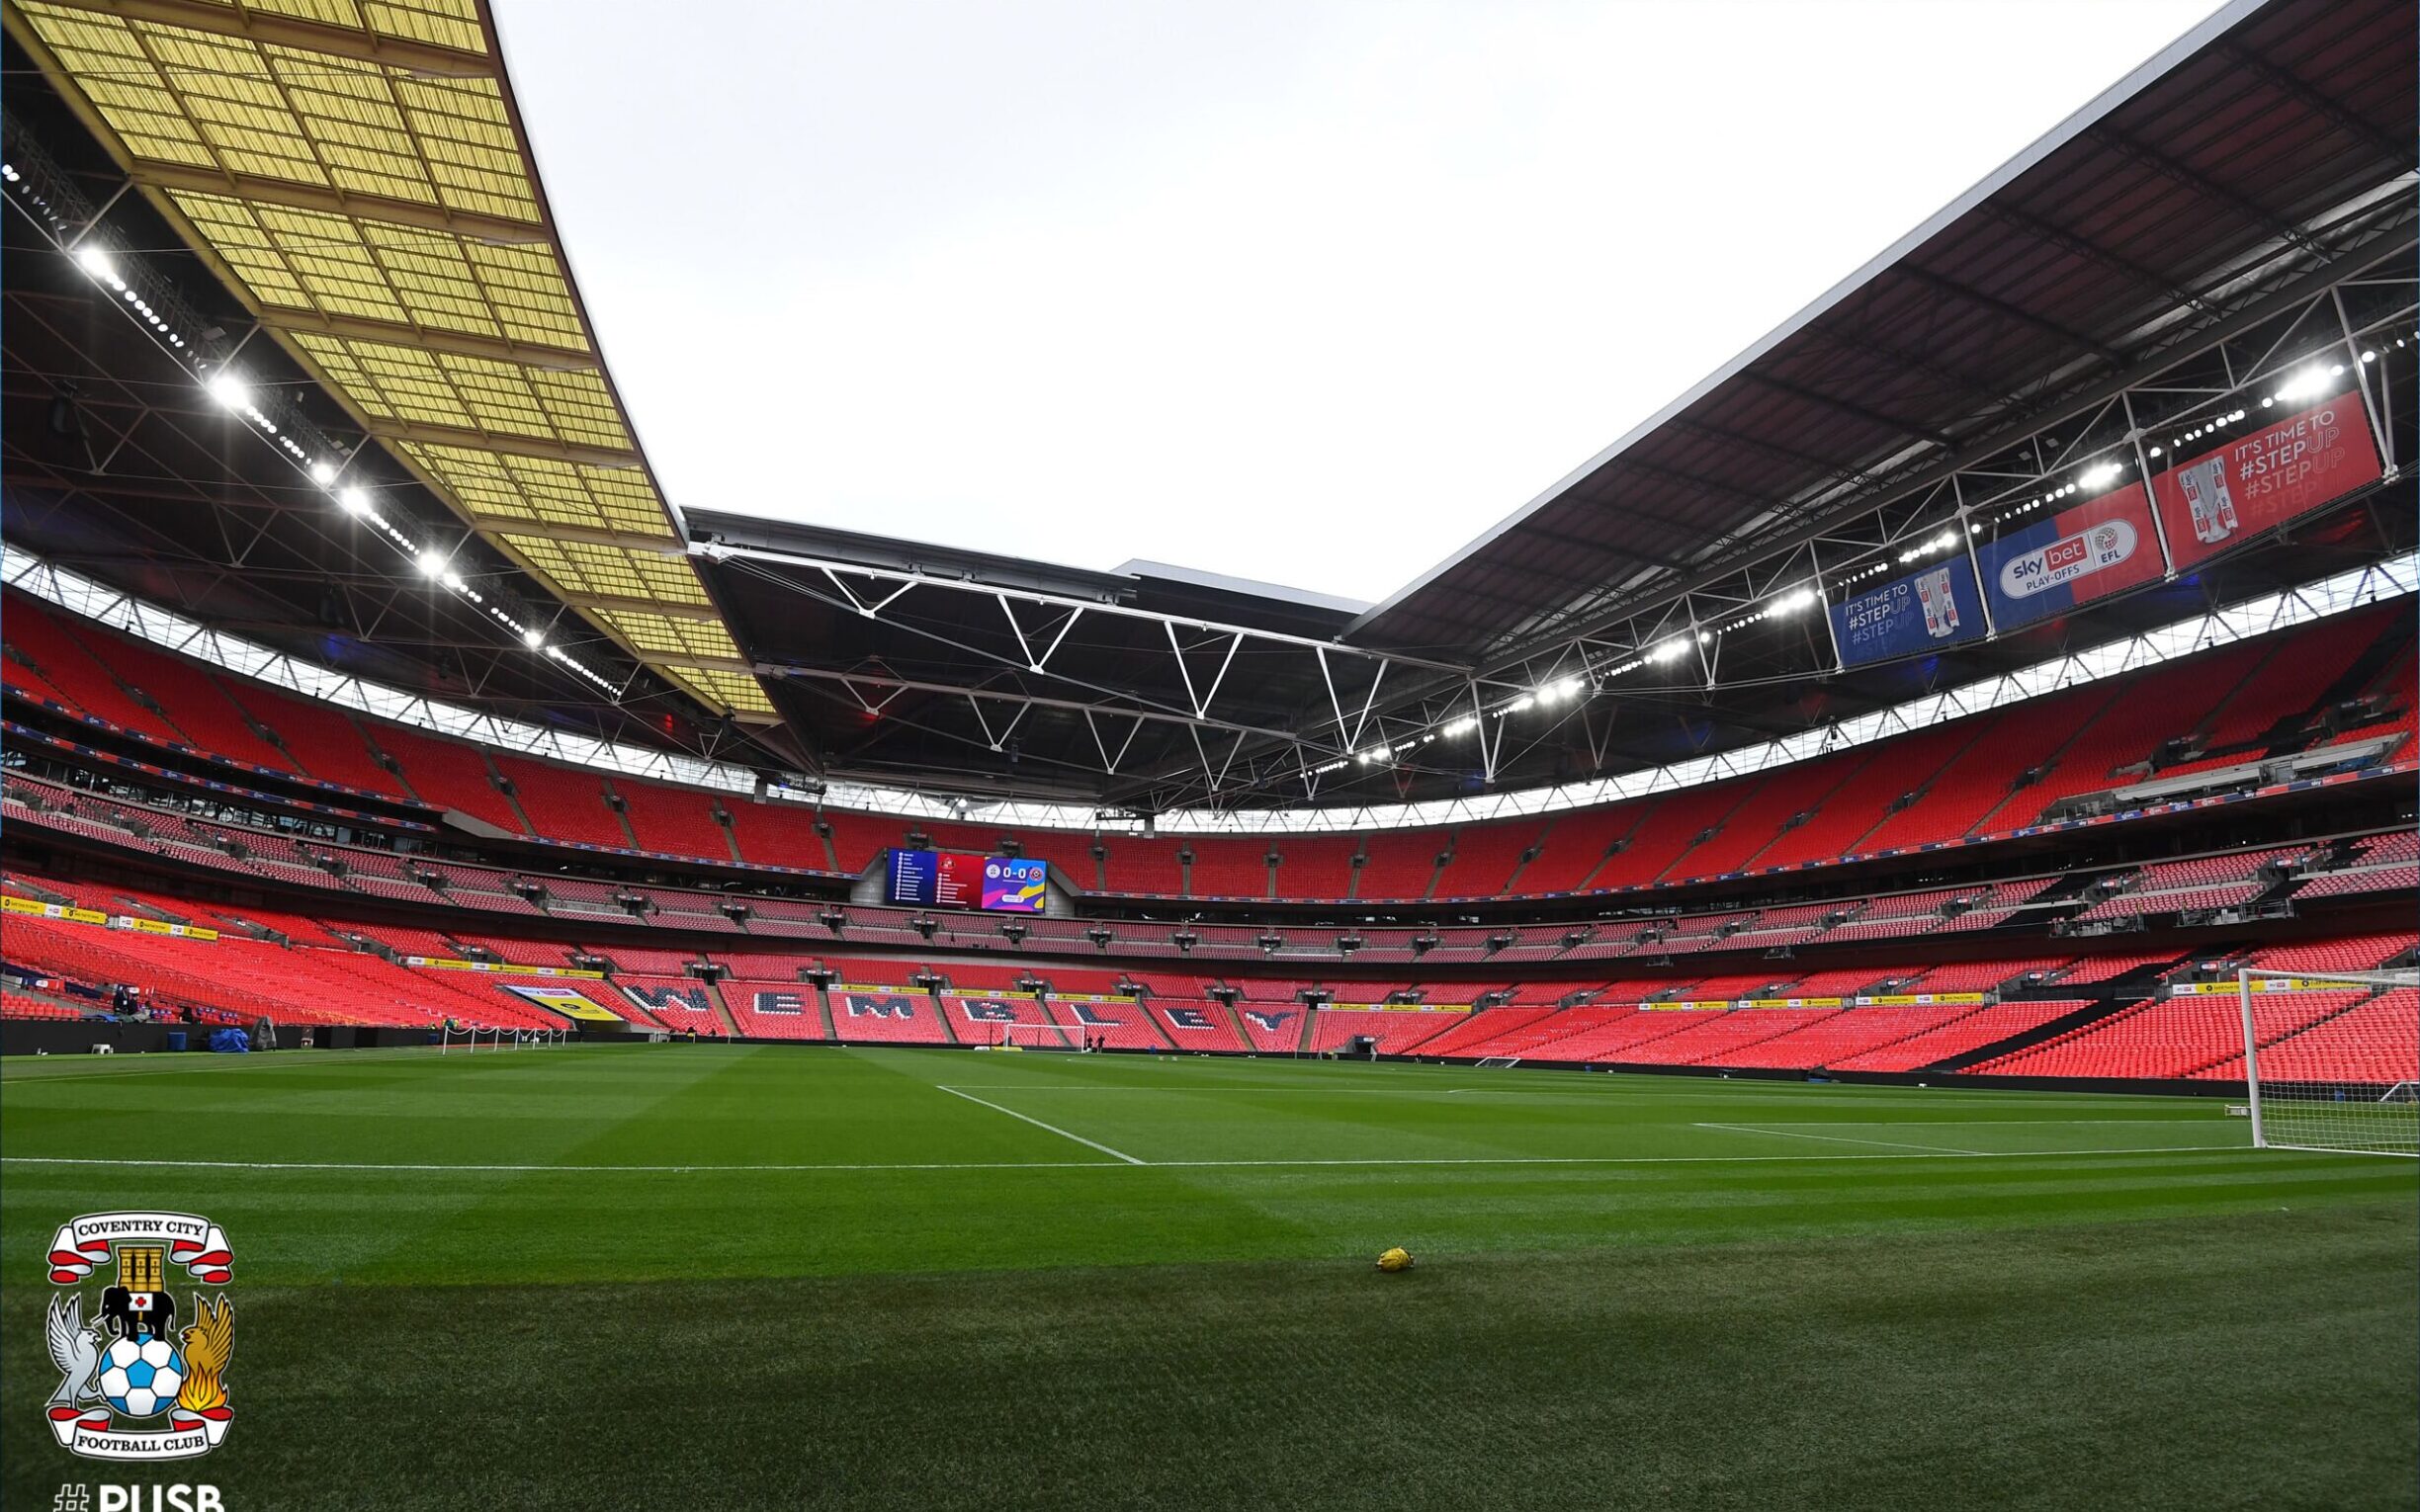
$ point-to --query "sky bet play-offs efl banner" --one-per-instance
(2100, 547)
(2256, 483)
(1921, 610)
(951, 879)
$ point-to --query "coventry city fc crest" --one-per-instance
(134, 1384)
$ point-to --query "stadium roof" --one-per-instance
(355, 182)
(358, 176)
(2250, 153)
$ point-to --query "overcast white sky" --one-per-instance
(1311, 293)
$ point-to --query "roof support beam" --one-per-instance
(463, 343)
(337, 202)
(619, 605)
(1847, 408)
(715, 551)
(481, 441)
(2007, 311)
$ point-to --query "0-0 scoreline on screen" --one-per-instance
(954, 880)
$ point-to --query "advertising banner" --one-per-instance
(1917, 611)
(143, 926)
(2253, 483)
(563, 1000)
(2262, 984)
(2102, 545)
(15, 904)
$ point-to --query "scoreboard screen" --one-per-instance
(954, 880)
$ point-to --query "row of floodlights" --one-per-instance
(229, 391)
(2309, 381)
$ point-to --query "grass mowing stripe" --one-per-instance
(1784, 1134)
(1924, 1151)
(1047, 1127)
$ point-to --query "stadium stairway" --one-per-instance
(731, 1022)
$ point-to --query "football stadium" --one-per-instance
(1859, 951)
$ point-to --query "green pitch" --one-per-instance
(706, 1277)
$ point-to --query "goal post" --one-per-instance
(2352, 1091)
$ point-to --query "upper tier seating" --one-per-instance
(46, 638)
(774, 833)
(1765, 811)
(560, 803)
(1400, 864)
(1315, 866)
(322, 738)
(678, 822)
(1228, 868)
(1485, 857)
(446, 774)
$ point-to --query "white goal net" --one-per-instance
(2332, 1062)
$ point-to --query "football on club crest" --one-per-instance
(134, 1384)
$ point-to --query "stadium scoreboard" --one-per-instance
(954, 880)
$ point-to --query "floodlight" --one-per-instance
(228, 390)
(2303, 382)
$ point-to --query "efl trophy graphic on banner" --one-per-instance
(2207, 496)
(1941, 611)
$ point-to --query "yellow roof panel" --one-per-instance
(668, 635)
(539, 491)
(736, 690)
(393, 382)
(197, 98)
(441, 23)
(376, 270)
(350, 135)
(584, 568)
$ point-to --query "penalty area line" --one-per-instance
(1046, 1127)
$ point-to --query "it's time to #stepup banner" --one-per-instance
(2255, 484)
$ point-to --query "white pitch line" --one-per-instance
(259, 1061)
(1783, 1134)
(1217, 1088)
(1038, 1124)
(1957, 1123)
(1929, 1152)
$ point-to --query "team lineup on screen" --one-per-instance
(953, 879)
